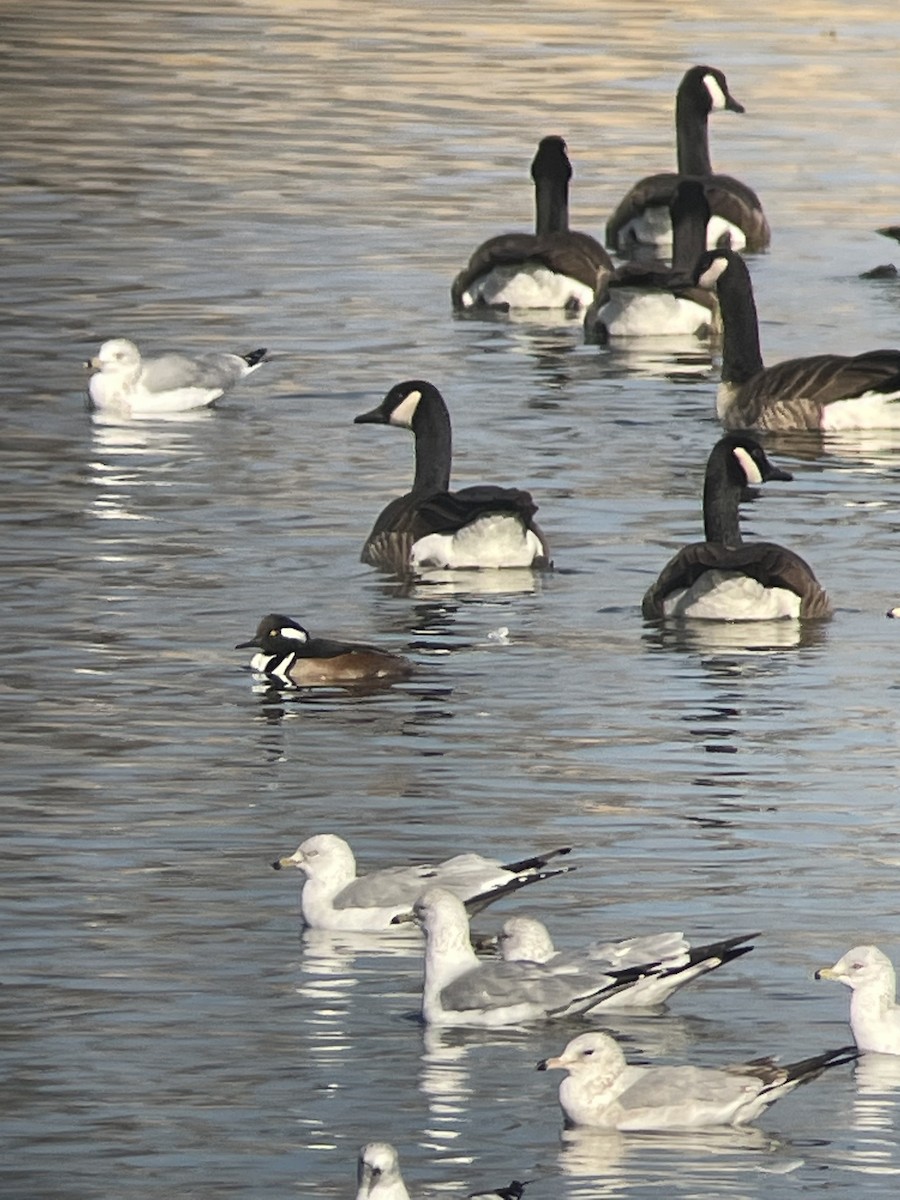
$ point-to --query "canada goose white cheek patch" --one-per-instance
(713, 273)
(405, 411)
(747, 465)
(716, 95)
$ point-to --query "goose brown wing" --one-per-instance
(727, 198)
(769, 564)
(502, 250)
(567, 252)
(445, 512)
(811, 383)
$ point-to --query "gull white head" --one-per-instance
(118, 356)
(862, 967)
(322, 856)
(525, 939)
(378, 1173)
(595, 1054)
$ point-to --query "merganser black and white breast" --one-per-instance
(554, 267)
(433, 527)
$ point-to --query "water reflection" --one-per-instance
(877, 1079)
(617, 1162)
(760, 639)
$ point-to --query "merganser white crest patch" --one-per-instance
(294, 634)
(405, 411)
(748, 466)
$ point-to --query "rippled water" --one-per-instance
(310, 177)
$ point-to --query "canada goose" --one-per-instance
(602, 1091)
(482, 526)
(654, 300)
(724, 578)
(165, 383)
(823, 392)
(289, 655)
(738, 220)
(554, 267)
(334, 897)
(874, 1012)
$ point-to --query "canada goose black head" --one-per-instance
(551, 159)
(401, 405)
(707, 89)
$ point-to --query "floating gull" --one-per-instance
(378, 1173)
(167, 383)
(604, 1092)
(334, 897)
(461, 989)
(874, 1013)
(524, 939)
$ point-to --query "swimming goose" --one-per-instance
(334, 897)
(724, 578)
(524, 939)
(166, 383)
(823, 392)
(482, 526)
(737, 220)
(554, 267)
(653, 300)
(874, 1012)
(461, 989)
(289, 655)
(378, 1173)
(603, 1092)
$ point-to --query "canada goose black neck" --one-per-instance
(693, 104)
(551, 172)
(727, 272)
(434, 440)
(418, 406)
(736, 461)
(690, 216)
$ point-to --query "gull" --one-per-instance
(334, 897)
(874, 1013)
(166, 383)
(461, 989)
(602, 1091)
(378, 1173)
(525, 939)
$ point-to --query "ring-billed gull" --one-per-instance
(289, 655)
(334, 897)
(524, 939)
(874, 1013)
(166, 383)
(461, 989)
(378, 1177)
(378, 1173)
(602, 1091)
